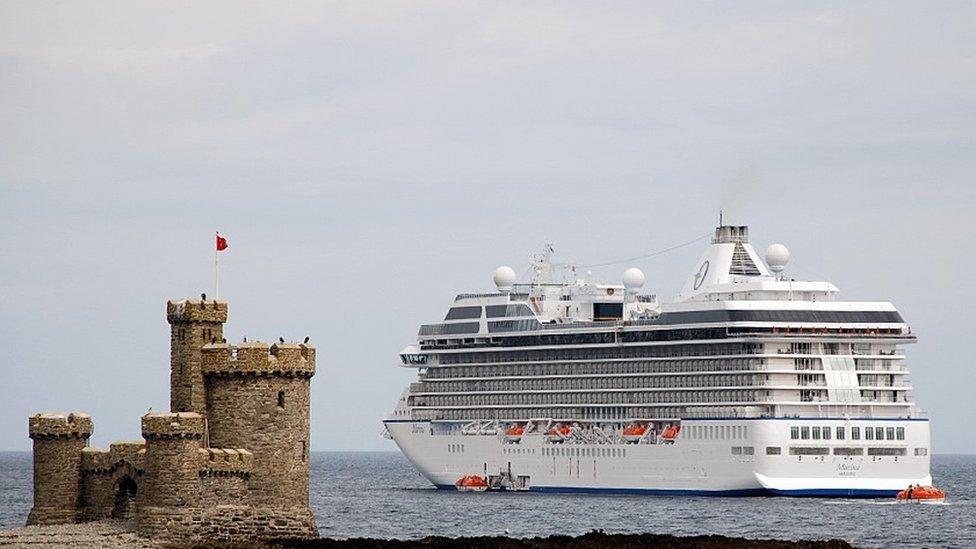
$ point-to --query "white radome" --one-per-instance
(504, 278)
(777, 256)
(633, 280)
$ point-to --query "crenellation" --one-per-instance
(216, 461)
(196, 310)
(172, 425)
(229, 463)
(60, 425)
(127, 452)
(258, 358)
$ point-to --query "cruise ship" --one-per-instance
(749, 383)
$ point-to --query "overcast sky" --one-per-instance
(369, 160)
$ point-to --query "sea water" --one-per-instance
(381, 495)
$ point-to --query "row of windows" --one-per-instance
(577, 383)
(635, 397)
(455, 448)
(824, 433)
(462, 313)
(608, 413)
(517, 309)
(717, 432)
(597, 368)
(700, 317)
(584, 452)
(546, 337)
(598, 353)
(450, 329)
(846, 451)
(743, 450)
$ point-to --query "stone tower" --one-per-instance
(258, 398)
(193, 324)
(172, 485)
(58, 442)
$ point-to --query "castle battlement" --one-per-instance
(96, 460)
(172, 425)
(259, 359)
(225, 461)
(196, 310)
(60, 425)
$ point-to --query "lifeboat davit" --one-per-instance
(558, 433)
(920, 494)
(471, 483)
(671, 432)
(633, 433)
(514, 433)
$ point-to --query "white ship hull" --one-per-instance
(689, 466)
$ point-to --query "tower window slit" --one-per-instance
(281, 399)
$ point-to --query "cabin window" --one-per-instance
(900, 433)
(805, 433)
(855, 433)
(826, 433)
(840, 433)
(794, 433)
(773, 450)
(816, 433)
(878, 433)
(868, 433)
(281, 399)
(608, 311)
(890, 432)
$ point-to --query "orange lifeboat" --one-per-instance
(633, 433)
(558, 433)
(920, 494)
(671, 432)
(514, 433)
(471, 483)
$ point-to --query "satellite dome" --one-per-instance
(777, 256)
(633, 280)
(504, 278)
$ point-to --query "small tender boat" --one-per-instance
(471, 483)
(558, 433)
(670, 432)
(633, 433)
(916, 493)
(514, 432)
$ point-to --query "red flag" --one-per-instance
(221, 243)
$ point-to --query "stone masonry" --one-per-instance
(229, 463)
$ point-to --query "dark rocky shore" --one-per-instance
(591, 540)
(114, 535)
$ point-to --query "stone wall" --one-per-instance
(104, 471)
(184, 527)
(224, 476)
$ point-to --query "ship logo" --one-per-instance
(700, 275)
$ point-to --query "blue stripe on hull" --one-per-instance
(746, 492)
(835, 493)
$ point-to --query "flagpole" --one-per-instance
(216, 272)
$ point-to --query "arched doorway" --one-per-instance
(125, 499)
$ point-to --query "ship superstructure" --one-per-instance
(749, 382)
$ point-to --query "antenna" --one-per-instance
(720, 218)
